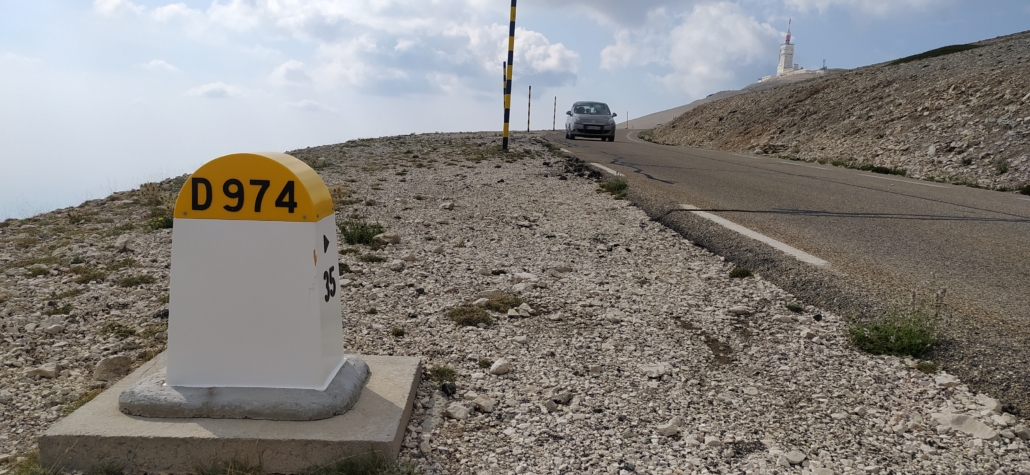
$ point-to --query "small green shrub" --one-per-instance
(928, 367)
(31, 466)
(485, 363)
(371, 464)
(62, 310)
(910, 330)
(69, 294)
(1002, 167)
(160, 218)
(122, 264)
(933, 53)
(469, 316)
(371, 258)
(615, 185)
(740, 273)
(503, 303)
(88, 274)
(371, 311)
(37, 271)
(793, 307)
(345, 269)
(442, 373)
(1025, 190)
(359, 231)
(117, 329)
(81, 401)
(135, 280)
(397, 332)
(232, 467)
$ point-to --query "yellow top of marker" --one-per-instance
(266, 186)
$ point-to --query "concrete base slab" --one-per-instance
(98, 434)
(151, 397)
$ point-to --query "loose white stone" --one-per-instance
(670, 428)
(501, 366)
(457, 411)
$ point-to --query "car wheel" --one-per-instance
(611, 138)
(572, 136)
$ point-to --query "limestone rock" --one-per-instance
(670, 428)
(501, 366)
(386, 238)
(484, 404)
(112, 368)
(990, 403)
(46, 370)
(655, 370)
(124, 243)
(794, 457)
(457, 411)
(966, 424)
(945, 380)
(740, 311)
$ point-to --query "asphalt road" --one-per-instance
(884, 235)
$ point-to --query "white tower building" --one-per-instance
(786, 64)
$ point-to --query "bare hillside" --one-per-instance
(961, 117)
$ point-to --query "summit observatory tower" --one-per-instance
(786, 64)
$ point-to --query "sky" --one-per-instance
(101, 96)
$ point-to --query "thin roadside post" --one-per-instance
(554, 115)
(529, 107)
(507, 78)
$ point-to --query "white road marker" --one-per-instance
(604, 169)
(797, 253)
(1025, 199)
(905, 181)
(632, 137)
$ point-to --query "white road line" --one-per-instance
(604, 168)
(630, 136)
(905, 181)
(801, 165)
(747, 156)
(797, 253)
(1025, 199)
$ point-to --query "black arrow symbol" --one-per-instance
(325, 244)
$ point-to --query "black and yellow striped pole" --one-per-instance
(529, 107)
(554, 116)
(507, 79)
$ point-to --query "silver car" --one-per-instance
(590, 119)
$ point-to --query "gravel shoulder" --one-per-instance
(634, 351)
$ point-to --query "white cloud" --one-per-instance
(703, 47)
(176, 11)
(389, 47)
(873, 7)
(290, 72)
(712, 42)
(310, 106)
(116, 7)
(215, 90)
(160, 65)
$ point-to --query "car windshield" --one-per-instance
(592, 108)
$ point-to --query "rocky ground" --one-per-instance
(959, 118)
(627, 348)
